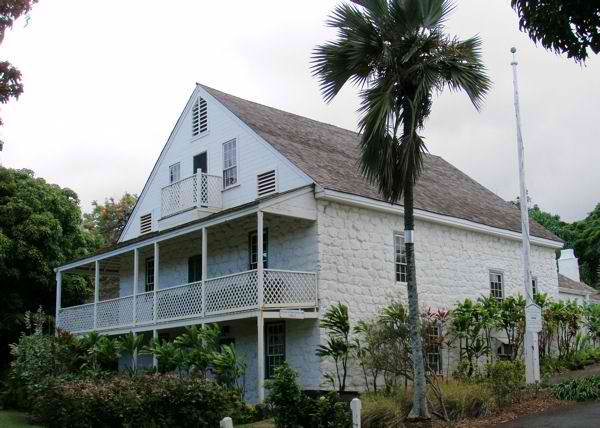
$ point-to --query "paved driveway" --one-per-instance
(584, 415)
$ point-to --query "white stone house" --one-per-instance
(237, 179)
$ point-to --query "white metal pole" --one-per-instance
(156, 283)
(531, 335)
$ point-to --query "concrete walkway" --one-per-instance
(581, 415)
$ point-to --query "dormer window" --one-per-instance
(199, 117)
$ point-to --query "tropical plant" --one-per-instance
(169, 356)
(591, 316)
(467, 325)
(579, 389)
(398, 51)
(131, 344)
(198, 344)
(230, 369)
(511, 319)
(98, 352)
(338, 346)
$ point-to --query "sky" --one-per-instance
(105, 82)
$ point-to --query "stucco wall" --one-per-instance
(356, 257)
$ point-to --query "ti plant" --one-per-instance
(132, 344)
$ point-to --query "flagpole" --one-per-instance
(532, 311)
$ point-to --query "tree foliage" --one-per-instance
(564, 26)
(10, 77)
(583, 236)
(40, 228)
(107, 221)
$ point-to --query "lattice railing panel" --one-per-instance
(179, 302)
(210, 191)
(179, 196)
(289, 287)
(145, 307)
(76, 318)
(232, 293)
(115, 312)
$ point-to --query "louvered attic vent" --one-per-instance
(267, 183)
(199, 117)
(146, 223)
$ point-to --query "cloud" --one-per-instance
(106, 81)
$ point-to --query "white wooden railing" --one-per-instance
(196, 191)
(229, 294)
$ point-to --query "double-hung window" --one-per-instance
(400, 257)
(174, 172)
(253, 250)
(434, 351)
(497, 285)
(149, 283)
(275, 347)
(229, 163)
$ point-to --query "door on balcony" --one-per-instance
(195, 268)
(201, 166)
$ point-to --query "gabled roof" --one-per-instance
(569, 284)
(329, 155)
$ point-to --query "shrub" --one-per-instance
(292, 408)
(505, 379)
(582, 389)
(151, 400)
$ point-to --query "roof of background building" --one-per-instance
(329, 155)
(569, 284)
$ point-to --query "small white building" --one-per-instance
(570, 286)
(237, 180)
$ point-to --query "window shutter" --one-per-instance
(146, 223)
(266, 183)
(199, 117)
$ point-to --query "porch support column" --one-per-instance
(260, 324)
(136, 266)
(58, 299)
(96, 291)
(154, 359)
(204, 268)
(156, 284)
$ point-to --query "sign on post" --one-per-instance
(533, 318)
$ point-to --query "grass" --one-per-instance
(261, 424)
(12, 419)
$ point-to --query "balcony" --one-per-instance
(200, 190)
(235, 294)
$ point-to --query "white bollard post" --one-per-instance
(226, 423)
(355, 406)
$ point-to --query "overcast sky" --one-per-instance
(105, 82)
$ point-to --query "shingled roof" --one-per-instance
(570, 284)
(329, 155)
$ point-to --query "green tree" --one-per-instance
(398, 52)
(40, 228)
(10, 77)
(107, 221)
(564, 26)
(585, 239)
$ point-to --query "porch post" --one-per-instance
(96, 291)
(136, 266)
(260, 355)
(156, 263)
(58, 298)
(204, 268)
(154, 359)
(260, 273)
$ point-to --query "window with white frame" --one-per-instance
(534, 285)
(253, 250)
(174, 172)
(400, 257)
(275, 347)
(497, 285)
(229, 163)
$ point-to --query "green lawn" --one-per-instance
(262, 424)
(11, 419)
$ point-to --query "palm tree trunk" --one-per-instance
(419, 409)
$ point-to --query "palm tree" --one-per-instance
(398, 53)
